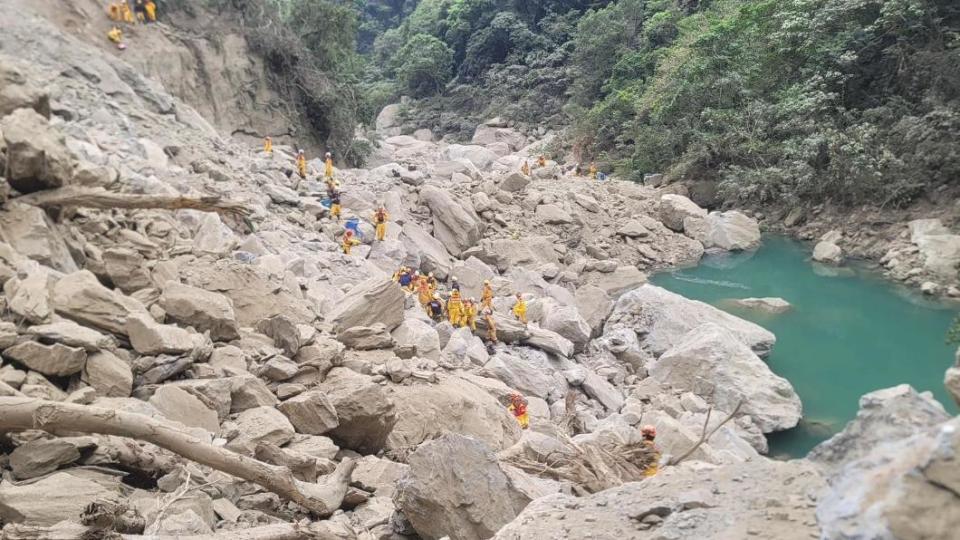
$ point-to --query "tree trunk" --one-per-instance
(76, 197)
(322, 498)
(278, 531)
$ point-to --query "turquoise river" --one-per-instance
(849, 332)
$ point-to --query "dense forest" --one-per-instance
(786, 101)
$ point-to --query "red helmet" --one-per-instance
(648, 431)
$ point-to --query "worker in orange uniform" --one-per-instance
(469, 317)
(486, 297)
(380, 218)
(151, 9)
(525, 168)
(518, 406)
(593, 171)
(649, 433)
(328, 165)
(491, 325)
(335, 207)
(455, 308)
(267, 145)
(302, 164)
(114, 12)
(115, 35)
(520, 309)
(541, 161)
(424, 293)
(126, 13)
(349, 241)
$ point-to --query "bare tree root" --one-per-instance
(322, 498)
(704, 436)
(76, 197)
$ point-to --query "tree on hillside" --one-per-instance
(423, 65)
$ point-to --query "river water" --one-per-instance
(849, 332)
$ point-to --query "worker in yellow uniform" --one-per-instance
(349, 241)
(469, 318)
(267, 145)
(114, 12)
(302, 164)
(424, 293)
(335, 207)
(525, 168)
(455, 308)
(593, 171)
(433, 283)
(151, 9)
(541, 161)
(115, 35)
(380, 218)
(491, 325)
(486, 297)
(649, 433)
(126, 13)
(328, 165)
(518, 406)
(520, 309)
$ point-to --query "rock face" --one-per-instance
(662, 319)
(203, 310)
(455, 487)
(675, 208)
(376, 300)
(365, 411)
(731, 501)
(892, 471)
(37, 156)
(79, 296)
(711, 362)
(455, 226)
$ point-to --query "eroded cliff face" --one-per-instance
(201, 58)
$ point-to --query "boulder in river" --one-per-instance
(774, 306)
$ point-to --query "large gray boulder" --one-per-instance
(675, 208)
(453, 405)
(594, 306)
(18, 91)
(940, 254)
(149, 337)
(827, 252)
(260, 424)
(530, 372)
(478, 155)
(418, 334)
(434, 256)
(567, 322)
(127, 269)
(366, 413)
(53, 499)
(203, 310)
(455, 488)
(79, 296)
(71, 334)
(621, 280)
(471, 274)
(454, 225)
(109, 375)
(181, 406)
(310, 412)
(729, 231)
(713, 363)
(30, 232)
(29, 297)
(55, 360)
(376, 300)
(662, 319)
(514, 182)
(37, 155)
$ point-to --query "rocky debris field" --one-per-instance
(207, 363)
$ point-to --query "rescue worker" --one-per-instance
(435, 309)
(151, 9)
(520, 309)
(332, 187)
(541, 161)
(433, 283)
(525, 168)
(396, 275)
(328, 165)
(115, 35)
(113, 11)
(486, 297)
(335, 206)
(469, 317)
(491, 325)
(268, 145)
(455, 308)
(140, 11)
(593, 171)
(578, 170)
(424, 294)
(380, 218)
(414, 279)
(349, 241)
(302, 164)
(454, 284)
(126, 13)
(518, 406)
(649, 433)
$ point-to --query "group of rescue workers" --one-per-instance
(541, 162)
(129, 12)
(461, 312)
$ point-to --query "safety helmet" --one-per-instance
(486, 282)
(349, 232)
(327, 154)
(648, 431)
(454, 278)
(430, 274)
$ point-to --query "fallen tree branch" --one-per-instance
(76, 197)
(277, 531)
(322, 498)
(704, 436)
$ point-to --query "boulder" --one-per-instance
(388, 120)
(633, 229)
(366, 338)
(71, 334)
(773, 306)
(594, 306)
(108, 375)
(463, 345)
(181, 406)
(675, 208)
(601, 390)
(279, 369)
(127, 269)
(378, 475)
(455, 488)
(940, 254)
(249, 392)
(663, 319)
(53, 499)
(283, 331)
(376, 300)
(951, 380)
(213, 236)
(42, 456)
(712, 362)
(827, 252)
(203, 310)
(420, 335)
(30, 297)
(471, 274)
(529, 372)
(18, 92)
(618, 282)
(548, 341)
(54, 360)
(452, 405)
(730, 231)
(37, 156)
(434, 256)
(79, 296)
(567, 322)
(506, 253)
(30, 233)
(456, 227)
(514, 182)
(310, 412)
(150, 337)
(482, 157)
(366, 412)
(260, 424)
(553, 214)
